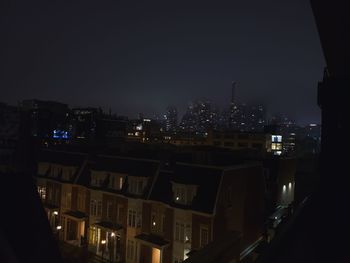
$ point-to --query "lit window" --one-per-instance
(183, 194)
(136, 185)
(276, 138)
(93, 236)
(42, 192)
(120, 182)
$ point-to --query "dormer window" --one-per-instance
(136, 185)
(42, 192)
(67, 173)
(116, 181)
(180, 193)
(55, 171)
(97, 178)
(183, 193)
(43, 168)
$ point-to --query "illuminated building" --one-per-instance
(82, 124)
(199, 117)
(43, 117)
(128, 209)
(240, 140)
(170, 119)
(245, 117)
(145, 131)
(276, 144)
(9, 125)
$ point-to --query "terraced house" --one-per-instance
(137, 210)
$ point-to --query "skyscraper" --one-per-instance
(170, 119)
(233, 92)
(234, 110)
(245, 117)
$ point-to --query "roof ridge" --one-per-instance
(80, 171)
(200, 165)
(128, 158)
(69, 152)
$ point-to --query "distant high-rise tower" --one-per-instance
(171, 119)
(233, 95)
(234, 111)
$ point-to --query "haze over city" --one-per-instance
(142, 56)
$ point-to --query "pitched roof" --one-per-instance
(205, 177)
(130, 166)
(62, 157)
(117, 164)
(66, 159)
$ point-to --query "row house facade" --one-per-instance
(137, 210)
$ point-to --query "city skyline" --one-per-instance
(143, 57)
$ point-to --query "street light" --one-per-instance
(58, 228)
(55, 213)
(103, 246)
(111, 243)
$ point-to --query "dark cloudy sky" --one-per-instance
(140, 56)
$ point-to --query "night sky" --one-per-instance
(140, 56)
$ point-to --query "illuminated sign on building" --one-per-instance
(59, 134)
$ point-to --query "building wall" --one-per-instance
(286, 177)
(106, 200)
(240, 204)
(185, 217)
(43, 167)
(94, 195)
(66, 204)
(197, 222)
(74, 197)
(146, 217)
(259, 141)
(53, 193)
(136, 205)
(145, 254)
